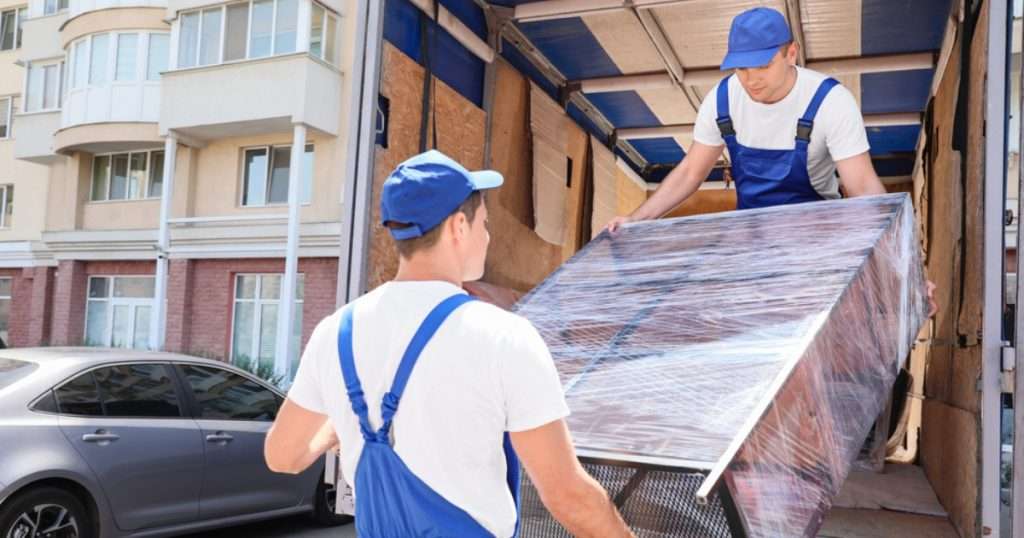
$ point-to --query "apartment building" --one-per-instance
(178, 168)
(26, 266)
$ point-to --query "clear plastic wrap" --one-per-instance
(754, 347)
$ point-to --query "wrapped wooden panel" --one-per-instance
(754, 348)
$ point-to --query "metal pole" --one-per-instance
(286, 302)
(158, 321)
(992, 336)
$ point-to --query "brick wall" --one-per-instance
(201, 294)
(40, 307)
(69, 290)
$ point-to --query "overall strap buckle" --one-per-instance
(803, 129)
(725, 127)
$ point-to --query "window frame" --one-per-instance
(184, 400)
(19, 17)
(269, 148)
(60, 86)
(258, 303)
(9, 115)
(8, 297)
(6, 193)
(144, 189)
(329, 15)
(132, 302)
(330, 21)
(143, 40)
(59, 8)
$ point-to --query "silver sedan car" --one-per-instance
(100, 443)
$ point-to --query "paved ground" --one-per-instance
(292, 527)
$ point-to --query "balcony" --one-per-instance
(33, 136)
(41, 37)
(253, 97)
(113, 94)
(79, 7)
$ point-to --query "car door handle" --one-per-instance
(100, 437)
(219, 437)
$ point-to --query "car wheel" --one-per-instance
(45, 512)
(324, 501)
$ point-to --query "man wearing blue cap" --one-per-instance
(788, 129)
(427, 391)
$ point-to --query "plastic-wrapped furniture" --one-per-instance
(724, 370)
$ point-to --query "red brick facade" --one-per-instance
(48, 306)
(199, 311)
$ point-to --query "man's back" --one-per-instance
(484, 372)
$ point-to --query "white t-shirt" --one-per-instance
(838, 128)
(486, 371)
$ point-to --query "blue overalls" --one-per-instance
(771, 177)
(391, 501)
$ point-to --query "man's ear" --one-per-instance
(793, 52)
(459, 225)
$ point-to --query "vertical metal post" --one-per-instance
(286, 302)
(994, 255)
(158, 321)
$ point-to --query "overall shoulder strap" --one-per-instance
(430, 325)
(724, 120)
(348, 372)
(806, 123)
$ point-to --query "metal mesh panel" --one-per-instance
(655, 504)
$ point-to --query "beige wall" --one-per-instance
(29, 180)
(217, 180)
(30, 187)
(134, 18)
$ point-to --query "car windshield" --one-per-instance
(12, 370)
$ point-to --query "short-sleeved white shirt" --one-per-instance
(486, 371)
(838, 128)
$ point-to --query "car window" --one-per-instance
(137, 390)
(46, 403)
(12, 370)
(80, 397)
(225, 395)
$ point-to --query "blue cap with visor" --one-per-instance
(755, 37)
(424, 190)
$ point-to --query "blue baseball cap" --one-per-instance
(755, 37)
(424, 190)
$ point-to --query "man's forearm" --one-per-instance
(674, 190)
(592, 514)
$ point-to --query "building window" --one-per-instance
(127, 57)
(127, 176)
(88, 58)
(254, 331)
(6, 205)
(254, 29)
(53, 6)
(158, 55)
(265, 175)
(6, 114)
(117, 311)
(6, 284)
(98, 60)
(322, 34)
(43, 87)
(10, 28)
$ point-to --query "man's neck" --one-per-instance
(427, 270)
(791, 75)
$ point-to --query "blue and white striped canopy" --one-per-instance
(598, 44)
